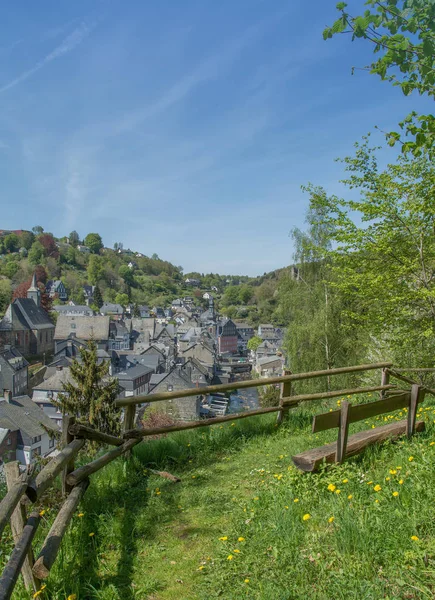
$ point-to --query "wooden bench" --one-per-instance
(311, 460)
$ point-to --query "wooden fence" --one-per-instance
(27, 489)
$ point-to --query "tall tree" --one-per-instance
(384, 250)
(26, 239)
(48, 243)
(318, 337)
(36, 253)
(98, 298)
(95, 269)
(37, 230)
(91, 397)
(94, 242)
(5, 294)
(402, 35)
(12, 242)
(74, 238)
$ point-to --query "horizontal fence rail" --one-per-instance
(228, 387)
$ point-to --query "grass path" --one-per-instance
(245, 524)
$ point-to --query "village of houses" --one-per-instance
(165, 349)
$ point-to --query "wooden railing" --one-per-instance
(26, 489)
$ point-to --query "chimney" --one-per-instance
(7, 396)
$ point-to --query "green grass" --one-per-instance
(157, 540)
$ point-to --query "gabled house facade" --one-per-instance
(13, 371)
(22, 415)
(56, 288)
(227, 336)
(27, 326)
(83, 329)
(180, 409)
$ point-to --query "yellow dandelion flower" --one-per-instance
(233, 424)
(246, 580)
(230, 557)
(72, 597)
(345, 480)
(158, 493)
(331, 519)
(240, 539)
(377, 501)
(281, 456)
(432, 443)
(256, 498)
(286, 507)
(411, 458)
(369, 482)
(387, 478)
(377, 488)
(400, 481)
(350, 497)
(80, 515)
(91, 534)
(296, 500)
(41, 513)
(223, 538)
(393, 472)
(201, 568)
(395, 494)
(338, 491)
(414, 538)
(331, 487)
(306, 517)
(236, 551)
(188, 445)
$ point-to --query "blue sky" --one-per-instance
(181, 128)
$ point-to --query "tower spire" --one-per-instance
(33, 291)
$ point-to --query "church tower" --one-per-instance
(33, 292)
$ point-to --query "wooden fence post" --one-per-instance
(385, 380)
(66, 439)
(286, 390)
(18, 521)
(129, 418)
(417, 396)
(343, 432)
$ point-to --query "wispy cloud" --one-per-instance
(74, 39)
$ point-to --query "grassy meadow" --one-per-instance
(244, 523)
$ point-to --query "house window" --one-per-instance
(35, 452)
(73, 325)
(36, 439)
(51, 443)
(9, 441)
(170, 387)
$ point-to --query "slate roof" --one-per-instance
(113, 309)
(78, 308)
(133, 373)
(28, 314)
(84, 328)
(56, 381)
(157, 378)
(14, 358)
(267, 359)
(53, 284)
(3, 434)
(21, 413)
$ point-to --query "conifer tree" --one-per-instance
(91, 398)
(136, 311)
(98, 298)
